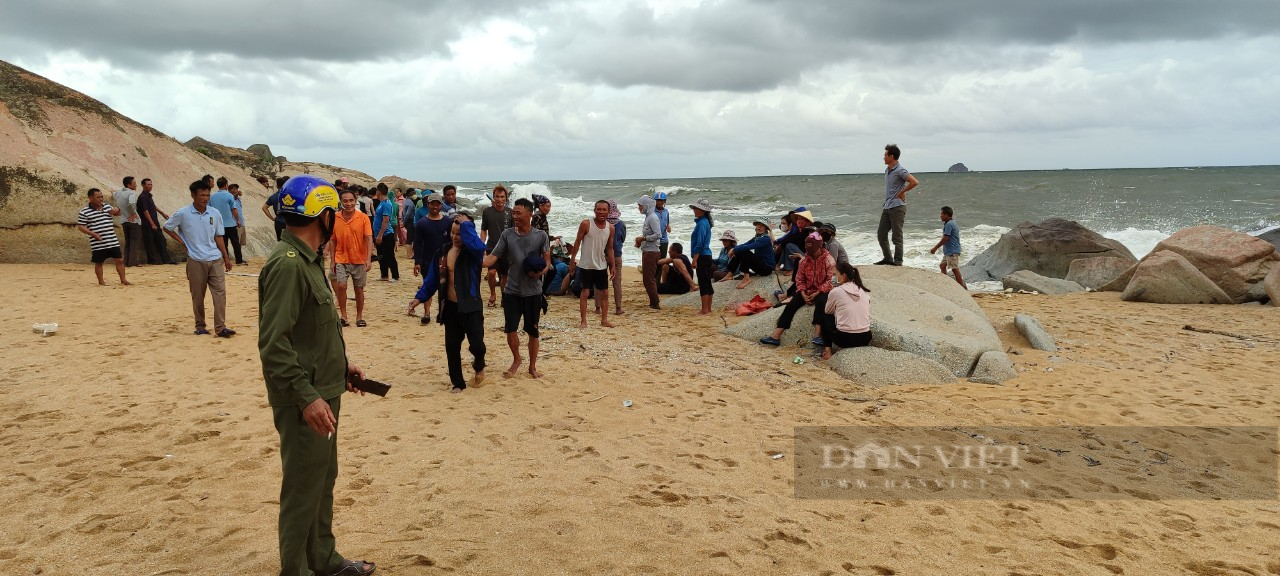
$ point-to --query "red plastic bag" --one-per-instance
(753, 306)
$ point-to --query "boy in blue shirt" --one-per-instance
(384, 235)
(950, 244)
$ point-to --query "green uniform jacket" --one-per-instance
(299, 338)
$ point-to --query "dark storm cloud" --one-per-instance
(749, 45)
(138, 33)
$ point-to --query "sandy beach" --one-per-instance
(135, 447)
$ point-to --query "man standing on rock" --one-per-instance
(127, 203)
(152, 236)
(199, 228)
(95, 222)
(897, 182)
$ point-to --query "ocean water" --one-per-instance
(1138, 207)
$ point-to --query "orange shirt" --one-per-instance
(349, 243)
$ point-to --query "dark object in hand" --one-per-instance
(369, 385)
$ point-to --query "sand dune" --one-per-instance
(136, 447)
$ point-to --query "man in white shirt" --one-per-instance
(126, 200)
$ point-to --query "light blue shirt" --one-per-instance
(664, 218)
(240, 211)
(895, 179)
(199, 231)
(223, 201)
(952, 232)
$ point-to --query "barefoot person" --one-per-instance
(95, 222)
(522, 246)
(847, 323)
(813, 282)
(456, 276)
(200, 229)
(595, 244)
(619, 238)
(350, 252)
(950, 244)
(306, 370)
(897, 182)
(700, 249)
(649, 244)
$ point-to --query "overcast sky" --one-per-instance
(594, 89)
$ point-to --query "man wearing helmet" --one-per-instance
(306, 370)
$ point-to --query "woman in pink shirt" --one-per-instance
(848, 320)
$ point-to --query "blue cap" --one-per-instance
(534, 264)
(660, 196)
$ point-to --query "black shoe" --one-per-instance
(883, 263)
(426, 320)
(895, 263)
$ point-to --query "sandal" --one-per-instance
(345, 323)
(771, 341)
(361, 323)
(353, 568)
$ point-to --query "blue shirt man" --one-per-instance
(383, 218)
(223, 201)
(950, 244)
(952, 232)
(199, 230)
(897, 182)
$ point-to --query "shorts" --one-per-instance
(951, 261)
(527, 307)
(356, 272)
(100, 256)
(502, 265)
(597, 279)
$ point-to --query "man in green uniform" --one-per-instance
(305, 366)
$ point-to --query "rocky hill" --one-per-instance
(56, 143)
(258, 159)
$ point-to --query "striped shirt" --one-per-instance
(99, 221)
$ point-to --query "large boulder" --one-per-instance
(875, 367)
(1094, 273)
(727, 293)
(1272, 285)
(993, 367)
(917, 311)
(1235, 261)
(1272, 236)
(1029, 281)
(1165, 277)
(1046, 248)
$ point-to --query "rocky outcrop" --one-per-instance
(1094, 273)
(915, 311)
(1271, 236)
(1047, 248)
(1034, 332)
(1271, 284)
(993, 367)
(1028, 281)
(958, 167)
(1165, 277)
(1233, 261)
(876, 367)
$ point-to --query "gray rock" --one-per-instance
(958, 167)
(1271, 284)
(912, 310)
(1032, 282)
(874, 367)
(1034, 332)
(1094, 273)
(1272, 236)
(1165, 277)
(993, 367)
(726, 293)
(1046, 248)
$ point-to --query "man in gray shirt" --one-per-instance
(897, 182)
(522, 297)
(126, 200)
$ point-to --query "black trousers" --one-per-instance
(833, 336)
(279, 229)
(797, 302)
(746, 262)
(157, 245)
(459, 325)
(387, 257)
(704, 268)
(232, 238)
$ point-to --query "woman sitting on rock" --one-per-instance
(848, 320)
(813, 282)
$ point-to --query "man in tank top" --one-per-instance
(595, 245)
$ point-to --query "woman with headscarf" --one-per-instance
(813, 282)
(541, 207)
(700, 250)
(619, 238)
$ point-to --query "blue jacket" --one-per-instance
(700, 240)
(762, 247)
(466, 273)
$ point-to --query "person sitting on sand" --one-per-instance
(675, 272)
(813, 282)
(847, 323)
(754, 256)
(728, 241)
(528, 254)
(457, 278)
